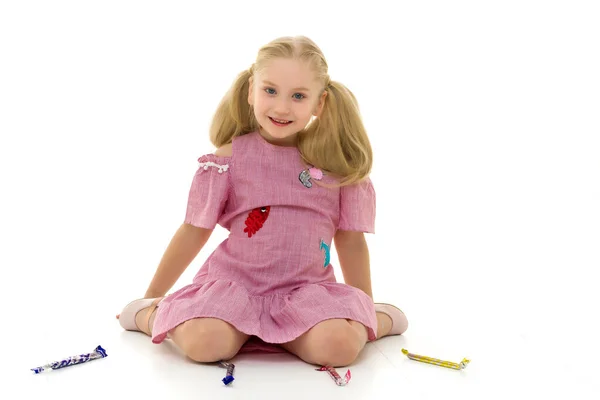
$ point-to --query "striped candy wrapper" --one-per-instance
(335, 376)
(98, 352)
(229, 376)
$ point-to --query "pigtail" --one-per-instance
(337, 140)
(234, 116)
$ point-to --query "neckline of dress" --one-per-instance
(274, 147)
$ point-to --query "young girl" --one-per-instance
(289, 179)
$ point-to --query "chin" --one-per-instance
(278, 132)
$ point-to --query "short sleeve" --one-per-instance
(357, 207)
(209, 191)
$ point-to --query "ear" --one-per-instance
(251, 91)
(319, 108)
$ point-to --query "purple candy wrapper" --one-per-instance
(98, 352)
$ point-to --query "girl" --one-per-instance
(289, 179)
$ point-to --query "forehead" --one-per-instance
(289, 73)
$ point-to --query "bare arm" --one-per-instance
(353, 254)
(183, 248)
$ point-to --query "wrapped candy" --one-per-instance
(335, 376)
(98, 352)
(435, 361)
(229, 376)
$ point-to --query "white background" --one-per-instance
(485, 123)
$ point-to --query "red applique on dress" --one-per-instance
(256, 219)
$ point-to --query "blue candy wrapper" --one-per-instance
(98, 352)
(229, 376)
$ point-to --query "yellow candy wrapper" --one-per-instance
(435, 361)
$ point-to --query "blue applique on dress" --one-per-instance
(327, 253)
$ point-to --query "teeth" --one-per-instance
(280, 121)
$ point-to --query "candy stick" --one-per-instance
(336, 377)
(98, 352)
(435, 361)
(229, 376)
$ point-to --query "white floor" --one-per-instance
(484, 121)
(504, 363)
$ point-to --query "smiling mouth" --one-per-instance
(280, 122)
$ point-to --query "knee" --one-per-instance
(338, 348)
(207, 340)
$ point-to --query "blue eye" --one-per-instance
(299, 98)
(267, 90)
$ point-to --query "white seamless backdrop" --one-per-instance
(483, 116)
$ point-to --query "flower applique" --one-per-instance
(308, 174)
(315, 173)
(256, 219)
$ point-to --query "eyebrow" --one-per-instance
(300, 88)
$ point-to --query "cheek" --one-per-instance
(260, 101)
(307, 110)
(257, 102)
(260, 106)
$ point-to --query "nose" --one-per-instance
(282, 106)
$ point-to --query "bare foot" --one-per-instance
(384, 324)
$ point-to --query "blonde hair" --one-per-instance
(336, 141)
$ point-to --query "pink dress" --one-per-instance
(271, 278)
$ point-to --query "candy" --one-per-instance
(229, 376)
(435, 361)
(98, 352)
(335, 376)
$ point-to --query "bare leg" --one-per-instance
(208, 339)
(335, 342)
(201, 339)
